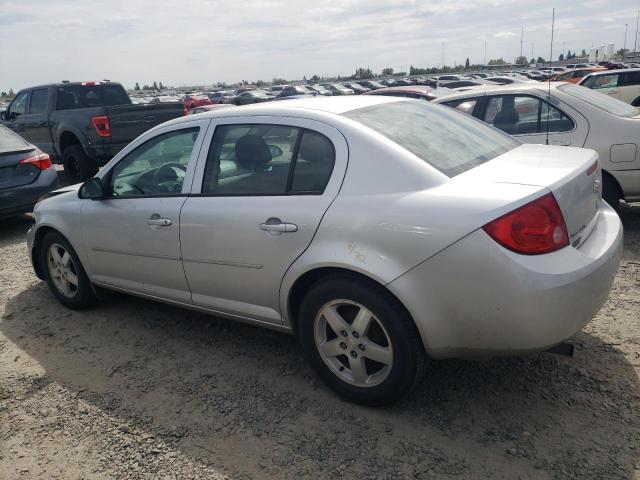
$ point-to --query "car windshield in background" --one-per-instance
(445, 139)
(10, 142)
(87, 96)
(598, 100)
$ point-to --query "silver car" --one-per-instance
(379, 230)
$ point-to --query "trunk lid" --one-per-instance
(129, 121)
(573, 175)
(12, 173)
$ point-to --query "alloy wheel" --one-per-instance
(62, 270)
(353, 343)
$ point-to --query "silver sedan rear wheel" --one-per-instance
(62, 270)
(353, 343)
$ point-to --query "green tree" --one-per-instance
(278, 81)
(540, 60)
(160, 86)
(260, 83)
(466, 64)
(561, 57)
(387, 71)
(137, 87)
(522, 60)
(315, 78)
(11, 94)
(155, 85)
(532, 61)
(497, 61)
(584, 53)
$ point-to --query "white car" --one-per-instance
(621, 84)
(576, 116)
(377, 229)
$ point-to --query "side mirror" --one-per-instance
(92, 189)
(3, 115)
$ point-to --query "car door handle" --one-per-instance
(612, 92)
(159, 222)
(278, 227)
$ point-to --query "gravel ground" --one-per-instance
(133, 389)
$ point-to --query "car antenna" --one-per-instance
(553, 21)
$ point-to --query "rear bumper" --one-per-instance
(18, 200)
(477, 298)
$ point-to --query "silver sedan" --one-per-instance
(379, 230)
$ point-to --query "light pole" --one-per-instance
(443, 55)
(626, 25)
(485, 52)
(635, 45)
(521, 35)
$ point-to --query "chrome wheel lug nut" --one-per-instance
(344, 333)
(354, 354)
(361, 347)
(355, 334)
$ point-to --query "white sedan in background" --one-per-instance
(377, 229)
(623, 85)
(560, 113)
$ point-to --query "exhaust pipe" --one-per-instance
(563, 348)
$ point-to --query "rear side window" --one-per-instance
(629, 79)
(39, 100)
(524, 115)
(261, 159)
(466, 105)
(597, 82)
(443, 138)
(88, 96)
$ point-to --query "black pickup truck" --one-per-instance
(83, 125)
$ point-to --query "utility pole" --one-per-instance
(532, 45)
(563, 43)
(485, 52)
(625, 39)
(635, 46)
(521, 35)
(443, 54)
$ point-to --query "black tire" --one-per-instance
(408, 352)
(77, 165)
(610, 191)
(636, 102)
(83, 295)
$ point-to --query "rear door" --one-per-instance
(605, 83)
(256, 204)
(35, 125)
(629, 87)
(533, 118)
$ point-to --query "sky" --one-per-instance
(199, 42)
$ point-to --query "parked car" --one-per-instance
(367, 265)
(276, 89)
(321, 90)
(297, 90)
(371, 84)
(506, 80)
(570, 115)
(26, 174)
(461, 83)
(83, 124)
(192, 101)
(222, 96)
(414, 91)
(210, 108)
(254, 96)
(357, 89)
(621, 84)
(575, 75)
(337, 89)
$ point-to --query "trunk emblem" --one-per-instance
(596, 185)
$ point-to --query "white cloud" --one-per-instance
(203, 41)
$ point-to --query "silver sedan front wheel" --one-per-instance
(353, 343)
(63, 271)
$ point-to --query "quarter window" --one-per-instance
(597, 82)
(155, 168)
(260, 159)
(628, 79)
(466, 105)
(19, 105)
(525, 115)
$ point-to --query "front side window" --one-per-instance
(39, 100)
(441, 137)
(466, 105)
(597, 82)
(524, 115)
(155, 168)
(19, 105)
(261, 159)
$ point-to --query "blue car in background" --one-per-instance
(26, 174)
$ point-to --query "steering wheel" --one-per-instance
(161, 172)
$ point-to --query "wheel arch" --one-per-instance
(308, 279)
(614, 180)
(636, 102)
(38, 235)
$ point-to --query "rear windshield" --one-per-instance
(599, 100)
(10, 142)
(448, 140)
(88, 96)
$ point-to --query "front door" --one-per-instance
(132, 237)
(257, 203)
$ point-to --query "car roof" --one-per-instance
(407, 88)
(314, 107)
(619, 70)
(481, 90)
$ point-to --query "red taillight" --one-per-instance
(535, 228)
(40, 160)
(101, 124)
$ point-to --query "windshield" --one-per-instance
(448, 140)
(599, 100)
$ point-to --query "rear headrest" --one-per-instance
(252, 152)
(315, 148)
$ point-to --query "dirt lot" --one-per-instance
(134, 389)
